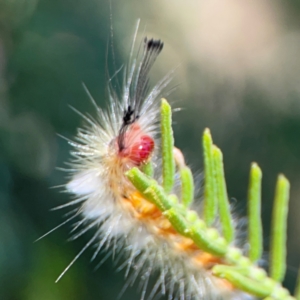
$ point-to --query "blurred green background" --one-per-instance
(237, 72)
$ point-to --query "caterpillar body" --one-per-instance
(118, 139)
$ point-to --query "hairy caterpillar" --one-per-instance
(124, 136)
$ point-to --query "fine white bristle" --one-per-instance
(103, 150)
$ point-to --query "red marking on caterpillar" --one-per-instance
(138, 146)
(141, 150)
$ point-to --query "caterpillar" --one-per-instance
(124, 136)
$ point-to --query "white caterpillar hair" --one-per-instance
(119, 138)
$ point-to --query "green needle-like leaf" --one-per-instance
(260, 289)
(255, 232)
(167, 145)
(224, 206)
(210, 199)
(152, 191)
(177, 220)
(139, 179)
(156, 195)
(148, 169)
(187, 186)
(205, 240)
(279, 227)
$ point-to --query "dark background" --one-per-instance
(237, 71)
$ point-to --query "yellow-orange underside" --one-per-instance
(151, 216)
